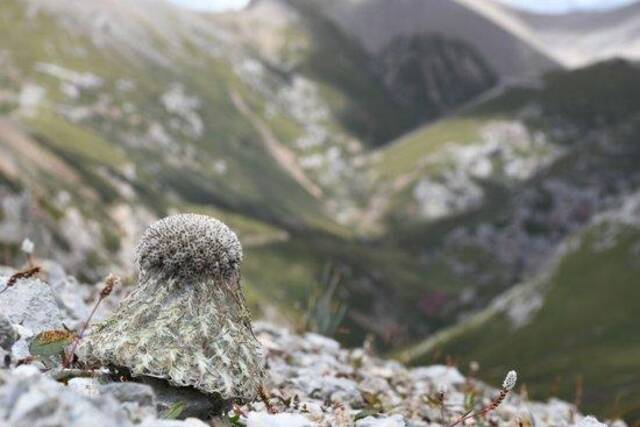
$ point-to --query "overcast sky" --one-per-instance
(538, 5)
(554, 6)
(212, 4)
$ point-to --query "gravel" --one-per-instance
(312, 382)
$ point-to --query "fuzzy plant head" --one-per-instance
(510, 381)
(186, 321)
(189, 246)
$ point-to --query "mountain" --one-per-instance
(577, 39)
(517, 44)
(519, 179)
(390, 191)
(486, 26)
(368, 93)
(567, 234)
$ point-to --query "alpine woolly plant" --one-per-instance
(186, 321)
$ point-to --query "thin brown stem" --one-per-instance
(110, 283)
(491, 407)
(238, 410)
(262, 393)
(63, 374)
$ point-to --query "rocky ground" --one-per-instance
(312, 381)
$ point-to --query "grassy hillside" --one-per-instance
(581, 332)
(101, 140)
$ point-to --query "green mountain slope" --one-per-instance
(575, 323)
(574, 226)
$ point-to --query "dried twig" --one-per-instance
(440, 397)
(264, 396)
(61, 374)
(24, 274)
(25, 361)
(110, 282)
(285, 400)
(238, 410)
(579, 392)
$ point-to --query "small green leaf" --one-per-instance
(366, 413)
(469, 400)
(234, 420)
(51, 343)
(174, 411)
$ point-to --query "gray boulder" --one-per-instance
(31, 307)
(8, 335)
(32, 304)
(138, 400)
(30, 399)
(195, 404)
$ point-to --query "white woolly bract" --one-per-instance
(27, 246)
(191, 334)
(510, 381)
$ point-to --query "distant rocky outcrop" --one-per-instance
(431, 74)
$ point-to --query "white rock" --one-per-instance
(8, 334)
(27, 398)
(189, 422)
(70, 295)
(315, 384)
(260, 419)
(31, 303)
(589, 421)
(138, 400)
(31, 307)
(85, 386)
(82, 80)
(314, 409)
(394, 421)
(322, 343)
(442, 376)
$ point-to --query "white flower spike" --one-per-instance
(510, 381)
(27, 246)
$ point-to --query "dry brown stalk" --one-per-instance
(24, 274)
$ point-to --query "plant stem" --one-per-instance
(492, 406)
(110, 282)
